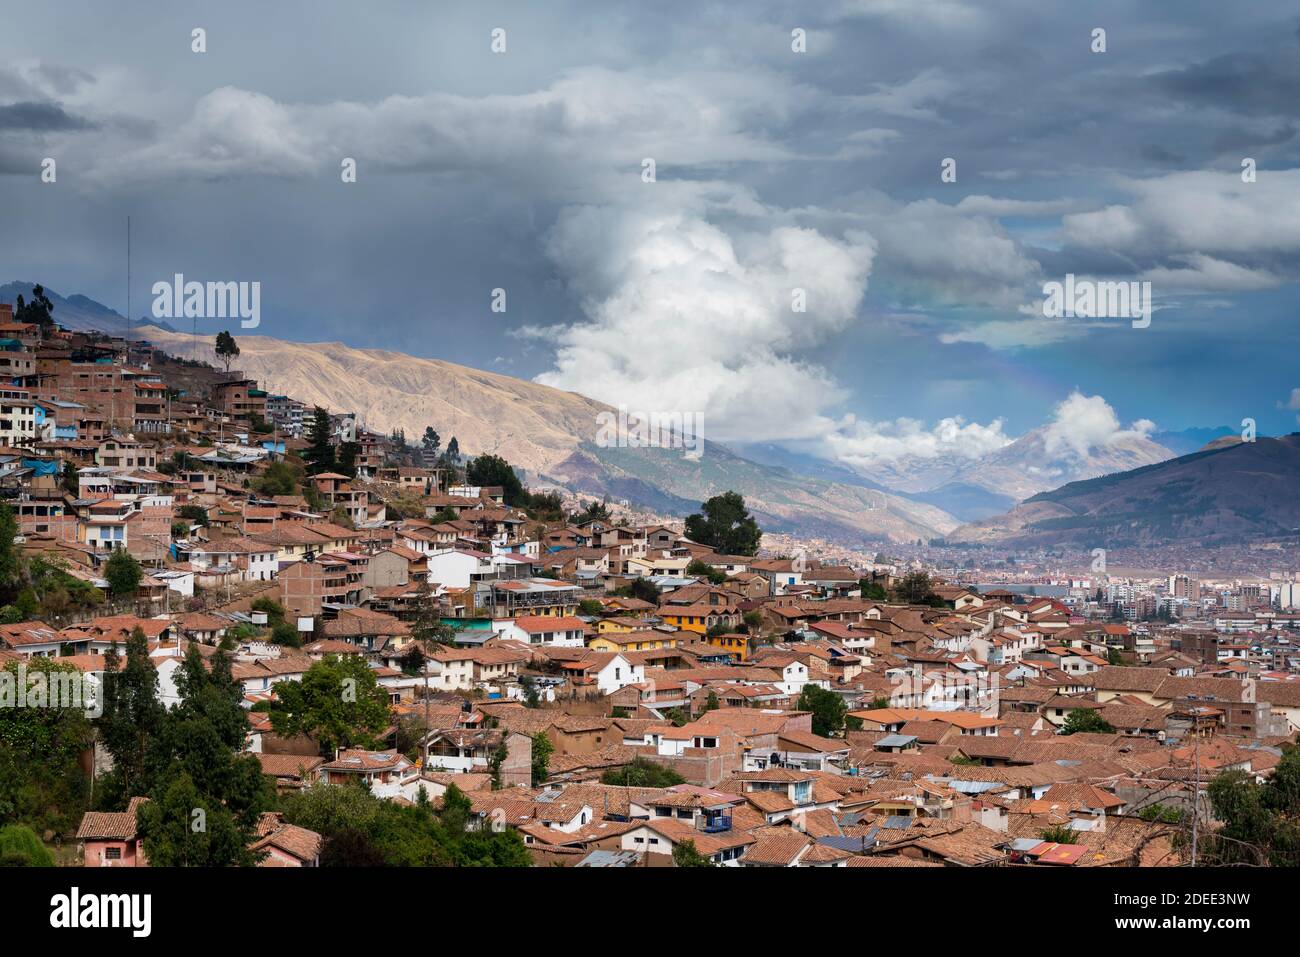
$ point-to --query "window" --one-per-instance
(112, 853)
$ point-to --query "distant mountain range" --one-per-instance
(78, 312)
(550, 434)
(1232, 492)
(973, 488)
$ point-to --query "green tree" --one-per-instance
(71, 480)
(345, 462)
(10, 566)
(594, 512)
(132, 716)
(642, 589)
(642, 773)
(20, 847)
(703, 569)
(39, 311)
(828, 710)
(915, 588)
(196, 514)
(488, 470)
(184, 827)
(41, 781)
(319, 454)
(724, 524)
(430, 442)
(122, 572)
(1086, 720)
(495, 760)
(872, 591)
(226, 348)
(542, 750)
(280, 478)
(1058, 834)
(337, 702)
(685, 854)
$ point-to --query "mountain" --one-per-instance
(1029, 465)
(1231, 493)
(551, 434)
(79, 313)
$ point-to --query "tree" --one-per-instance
(10, 566)
(453, 451)
(828, 710)
(39, 311)
(20, 847)
(41, 782)
(122, 572)
(1259, 820)
(642, 589)
(703, 569)
(546, 506)
(488, 470)
(1058, 834)
(337, 702)
(915, 588)
(872, 591)
(685, 854)
(725, 525)
(345, 462)
(132, 714)
(427, 626)
(185, 828)
(227, 349)
(319, 455)
(642, 773)
(71, 481)
(280, 478)
(196, 514)
(495, 760)
(1086, 720)
(542, 749)
(430, 443)
(594, 512)
(350, 847)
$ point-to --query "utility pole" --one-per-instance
(1196, 760)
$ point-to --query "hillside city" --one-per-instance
(295, 642)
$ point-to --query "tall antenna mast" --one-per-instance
(128, 291)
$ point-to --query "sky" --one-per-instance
(779, 174)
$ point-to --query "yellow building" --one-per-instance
(700, 617)
(636, 641)
(737, 645)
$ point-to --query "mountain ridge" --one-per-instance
(1231, 493)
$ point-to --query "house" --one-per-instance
(382, 772)
(286, 845)
(111, 838)
(473, 749)
(657, 838)
(558, 630)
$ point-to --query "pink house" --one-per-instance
(109, 838)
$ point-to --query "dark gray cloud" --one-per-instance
(476, 171)
(39, 118)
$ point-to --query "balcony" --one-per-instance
(716, 824)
